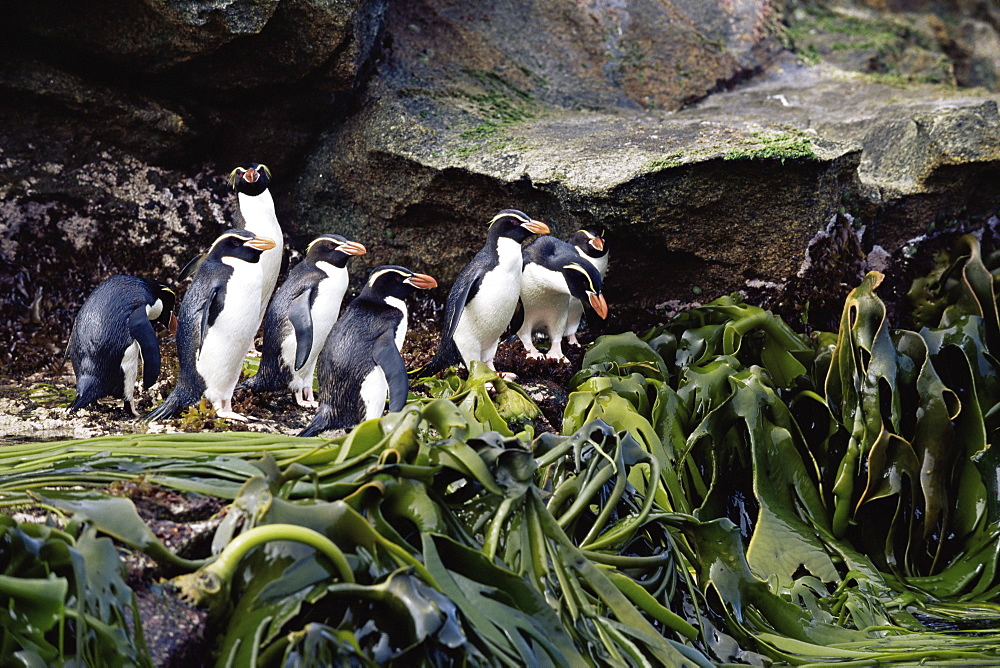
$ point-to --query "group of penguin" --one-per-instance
(544, 285)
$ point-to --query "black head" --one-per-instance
(590, 241)
(585, 284)
(334, 249)
(394, 281)
(239, 245)
(516, 225)
(250, 179)
(167, 298)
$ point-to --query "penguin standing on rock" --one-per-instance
(257, 208)
(112, 331)
(592, 247)
(554, 277)
(484, 296)
(361, 366)
(217, 321)
(300, 317)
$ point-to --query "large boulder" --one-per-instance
(220, 44)
(701, 199)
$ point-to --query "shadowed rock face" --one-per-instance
(216, 44)
(709, 153)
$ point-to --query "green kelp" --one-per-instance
(65, 599)
(723, 491)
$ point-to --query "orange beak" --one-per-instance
(261, 243)
(599, 305)
(422, 281)
(251, 175)
(172, 327)
(352, 248)
(537, 226)
(597, 243)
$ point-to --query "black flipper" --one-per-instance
(191, 267)
(141, 329)
(447, 353)
(206, 312)
(301, 318)
(387, 356)
(516, 321)
(463, 293)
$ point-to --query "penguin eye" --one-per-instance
(329, 245)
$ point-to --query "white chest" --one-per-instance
(400, 335)
(259, 218)
(329, 296)
(229, 336)
(538, 283)
(489, 312)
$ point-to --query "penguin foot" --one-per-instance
(507, 375)
(232, 415)
(562, 359)
(306, 398)
(571, 340)
(534, 355)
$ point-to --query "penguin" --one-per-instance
(485, 294)
(554, 276)
(591, 246)
(216, 322)
(112, 331)
(257, 209)
(360, 364)
(300, 317)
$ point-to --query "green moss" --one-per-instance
(668, 161)
(499, 106)
(823, 32)
(501, 101)
(792, 145)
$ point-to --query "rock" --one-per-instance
(711, 155)
(928, 151)
(904, 40)
(596, 54)
(51, 115)
(725, 191)
(665, 188)
(63, 234)
(220, 44)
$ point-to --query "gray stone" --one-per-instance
(219, 44)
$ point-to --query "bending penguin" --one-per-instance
(216, 323)
(484, 296)
(592, 247)
(112, 331)
(300, 317)
(554, 277)
(360, 365)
